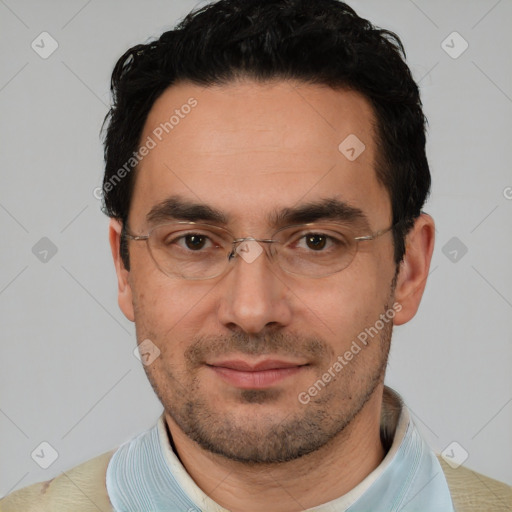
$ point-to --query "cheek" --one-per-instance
(350, 302)
(168, 312)
(156, 302)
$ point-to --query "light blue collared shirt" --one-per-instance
(145, 475)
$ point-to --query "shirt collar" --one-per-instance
(146, 475)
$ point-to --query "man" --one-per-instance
(265, 178)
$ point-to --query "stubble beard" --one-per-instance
(263, 438)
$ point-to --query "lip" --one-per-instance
(263, 374)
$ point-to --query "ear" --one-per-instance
(414, 268)
(124, 290)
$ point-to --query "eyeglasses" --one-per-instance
(189, 250)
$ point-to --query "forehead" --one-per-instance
(250, 148)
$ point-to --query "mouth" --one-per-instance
(246, 375)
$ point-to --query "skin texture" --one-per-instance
(249, 149)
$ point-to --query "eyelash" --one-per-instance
(294, 239)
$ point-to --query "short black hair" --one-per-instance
(316, 42)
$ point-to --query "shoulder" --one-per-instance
(81, 489)
(473, 492)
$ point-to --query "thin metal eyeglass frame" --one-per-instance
(238, 241)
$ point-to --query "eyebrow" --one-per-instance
(329, 209)
(176, 208)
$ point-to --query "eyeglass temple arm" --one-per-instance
(136, 237)
(375, 235)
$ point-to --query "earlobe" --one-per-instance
(414, 268)
(124, 290)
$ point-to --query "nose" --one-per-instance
(254, 294)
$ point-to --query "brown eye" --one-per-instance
(316, 242)
(195, 242)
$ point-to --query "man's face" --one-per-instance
(237, 351)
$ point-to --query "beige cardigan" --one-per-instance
(82, 489)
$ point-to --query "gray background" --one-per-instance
(68, 375)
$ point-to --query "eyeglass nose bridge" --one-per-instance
(238, 241)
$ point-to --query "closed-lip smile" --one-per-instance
(251, 375)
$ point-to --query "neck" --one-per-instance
(309, 481)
